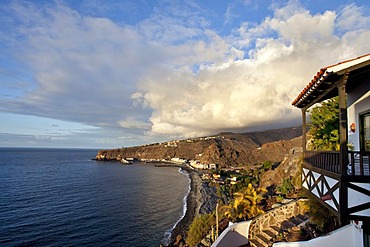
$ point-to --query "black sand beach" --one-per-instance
(192, 204)
(197, 203)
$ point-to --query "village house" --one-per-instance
(171, 144)
(179, 160)
(212, 166)
(233, 180)
(202, 166)
(206, 176)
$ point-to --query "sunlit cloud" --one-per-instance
(254, 92)
(170, 74)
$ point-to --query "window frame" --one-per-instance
(362, 117)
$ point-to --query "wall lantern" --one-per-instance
(353, 127)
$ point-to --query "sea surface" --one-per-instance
(60, 197)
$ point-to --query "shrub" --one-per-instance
(199, 228)
(279, 198)
(286, 187)
(324, 220)
(266, 165)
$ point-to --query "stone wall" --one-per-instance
(275, 217)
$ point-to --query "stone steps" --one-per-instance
(255, 243)
(286, 224)
(265, 238)
(275, 229)
(269, 234)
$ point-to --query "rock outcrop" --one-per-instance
(289, 168)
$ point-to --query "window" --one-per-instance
(366, 228)
(365, 131)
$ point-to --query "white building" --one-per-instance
(179, 160)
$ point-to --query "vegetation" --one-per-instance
(324, 220)
(266, 165)
(199, 228)
(324, 125)
(243, 177)
(286, 187)
(245, 204)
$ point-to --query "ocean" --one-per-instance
(60, 197)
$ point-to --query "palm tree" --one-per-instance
(245, 204)
(235, 210)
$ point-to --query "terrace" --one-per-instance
(329, 161)
(341, 179)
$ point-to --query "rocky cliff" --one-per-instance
(224, 149)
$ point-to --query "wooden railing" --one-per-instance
(325, 160)
(358, 162)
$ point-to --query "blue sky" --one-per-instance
(105, 74)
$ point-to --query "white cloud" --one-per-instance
(229, 15)
(171, 74)
(85, 68)
(352, 17)
(256, 91)
(130, 123)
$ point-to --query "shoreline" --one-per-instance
(192, 204)
(201, 199)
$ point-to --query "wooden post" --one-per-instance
(343, 160)
(304, 142)
(216, 221)
(304, 129)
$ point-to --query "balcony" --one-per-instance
(346, 193)
(328, 161)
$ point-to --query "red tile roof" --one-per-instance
(321, 76)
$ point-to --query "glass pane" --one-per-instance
(366, 235)
(367, 132)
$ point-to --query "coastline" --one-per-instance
(201, 199)
(182, 226)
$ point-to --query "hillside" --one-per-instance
(224, 149)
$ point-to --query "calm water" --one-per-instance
(59, 197)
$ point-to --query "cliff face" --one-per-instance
(289, 168)
(224, 149)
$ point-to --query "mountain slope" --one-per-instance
(225, 149)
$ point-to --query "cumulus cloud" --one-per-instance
(171, 74)
(256, 91)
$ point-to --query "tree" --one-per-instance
(245, 204)
(324, 125)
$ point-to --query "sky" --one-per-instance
(112, 73)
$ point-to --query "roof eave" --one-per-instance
(325, 75)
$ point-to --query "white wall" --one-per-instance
(235, 235)
(347, 236)
(359, 106)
